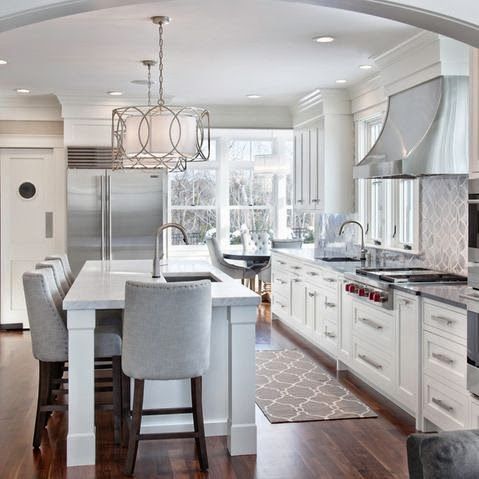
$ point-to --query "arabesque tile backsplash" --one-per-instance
(443, 229)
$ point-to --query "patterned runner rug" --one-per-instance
(293, 388)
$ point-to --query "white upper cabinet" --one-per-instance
(474, 113)
(323, 154)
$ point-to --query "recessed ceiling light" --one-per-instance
(253, 96)
(365, 67)
(22, 90)
(323, 39)
(115, 93)
(3, 62)
(341, 81)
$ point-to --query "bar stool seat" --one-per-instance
(166, 335)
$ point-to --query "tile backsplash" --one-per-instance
(443, 229)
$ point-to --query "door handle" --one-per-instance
(108, 193)
(48, 224)
(102, 215)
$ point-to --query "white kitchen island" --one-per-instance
(228, 387)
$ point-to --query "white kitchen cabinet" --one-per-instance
(323, 162)
(345, 326)
(474, 113)
(473, 422)
(407, 333)
(298, 300)
(313, 301)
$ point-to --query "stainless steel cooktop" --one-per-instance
(410, 275)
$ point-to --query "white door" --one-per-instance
(27, 223)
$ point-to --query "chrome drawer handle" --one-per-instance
(280, 281)
(329, 335)
(282, 306)
(296, 267)
(372, 363)
(330, 280)
(442, 404)
(281, 262)
(443, 358)
(370, 323)
(442, 319)
(311, 273)
(311, 295)
(297, 280)
(329, 305)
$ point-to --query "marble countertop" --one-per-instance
(101, 284)
(447, 293)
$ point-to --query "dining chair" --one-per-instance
(232, 270)
(65, 264)
(49, 337)
(166, 336)
(256, 241)
(60, 278)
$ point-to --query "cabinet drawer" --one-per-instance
(329, 338)
(374, 364)
(445, 321)
(330, 306)
(444, 359)
(330, 280)
(280, 283)
(444, 406)
(280, 305)
(373, 325)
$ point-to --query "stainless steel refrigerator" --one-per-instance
(114, 214)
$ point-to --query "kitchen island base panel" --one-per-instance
(81, 386)
(229, 385)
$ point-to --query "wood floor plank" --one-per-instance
(349, 449)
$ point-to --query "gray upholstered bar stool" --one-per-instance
(50, 347)
(65, 264)
(60, 278)
(166, 335)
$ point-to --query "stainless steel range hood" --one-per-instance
(425, 132)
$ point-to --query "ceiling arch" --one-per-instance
(441, 17)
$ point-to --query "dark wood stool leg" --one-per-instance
(117, 398)
(135, 426)
(126, 406)
(197, 403)
(44, 388)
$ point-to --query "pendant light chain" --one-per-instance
(161, 101)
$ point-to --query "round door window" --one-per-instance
(27, 190)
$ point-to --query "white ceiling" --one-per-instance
(217, 51)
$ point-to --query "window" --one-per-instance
(246, 184)
(389, 208)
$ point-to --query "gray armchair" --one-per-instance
(444, 455)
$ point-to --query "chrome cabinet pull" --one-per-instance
(296, 267)
(297, 280)
(330, 280)
(328, 334)
(311, 295)
(312, 273)
(282, 306)
(370, 323)
(329, 305)
(281, 262)
(442, 319)
(280, 281)
(372, 363)
(442, 404)
(443, 358)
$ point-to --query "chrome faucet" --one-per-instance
(159, 245)
(363, 249)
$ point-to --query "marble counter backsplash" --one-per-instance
(443, 230)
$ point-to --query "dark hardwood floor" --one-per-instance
(364, 448)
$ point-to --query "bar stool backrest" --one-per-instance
(166, 330)
(48, 329)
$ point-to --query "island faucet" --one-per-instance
(159, 245)
(363, 249)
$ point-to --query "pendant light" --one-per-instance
(159, 136)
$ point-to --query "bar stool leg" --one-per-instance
(126, 407)
(44, 387)
(197, 403)
(135, 426)
(117, 398)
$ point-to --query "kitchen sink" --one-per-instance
(338, 259)
(194, 277)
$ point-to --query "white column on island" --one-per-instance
(242, 380)
(81, 388)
